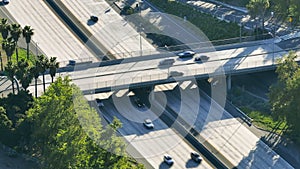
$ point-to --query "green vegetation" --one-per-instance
(284, 95)
(241, 3)
(49, 129)
(265, 121)
(257, 109)
(213, 28)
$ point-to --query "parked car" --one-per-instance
(6, 1)
(188, 53)
(94, 18)
(148, 124)
(168, 159)
(196, 157)
(166, 62)
(201, 58)
(175, 73)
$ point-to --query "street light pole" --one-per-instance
(36, 47)
(141, 46)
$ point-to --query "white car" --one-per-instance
(6, 1)
(148, 124)
(187, 53)
(168, 159)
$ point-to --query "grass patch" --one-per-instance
(257, 109)
(213, 28)
(265, 121)
(241, 3)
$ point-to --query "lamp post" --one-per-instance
(36, 47)
(141, 45)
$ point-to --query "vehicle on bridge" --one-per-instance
(201, 58)
(185, 54)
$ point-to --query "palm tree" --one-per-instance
(53, 66)
(35, 72)
(8, 45)
(10, 70)
(4, 28)
(27, 34)
(23, 73)
(43, 63)
(16, 32)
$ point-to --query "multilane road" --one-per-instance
(151, 144)
(227, 136)
(50, 34)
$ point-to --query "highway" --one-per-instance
(151, 144)
(119, 37)
(228, 137)
(50, 34)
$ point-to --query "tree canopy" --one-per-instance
(284, 96)
(67, 132)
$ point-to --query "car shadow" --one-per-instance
(90, 22)
(191, 164)
(164, 165)
(184, 59)
(164, 66)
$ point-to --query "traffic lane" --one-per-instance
(228, 134)
(230, 57)
(119, 37)
(48, 29)
(154, 153)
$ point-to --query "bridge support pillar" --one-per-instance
(228, 82)
(152, 96)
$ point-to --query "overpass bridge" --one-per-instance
(142, 73)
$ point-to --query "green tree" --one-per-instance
(8, 45)
(10, 70)
(284, 95)
(43, 63)
(5, 125)
(67, 132)
(258, 8)
(16, 32)
(53, 66)
(24, 74)
(4, 28)
(27, 33)
(35, 72)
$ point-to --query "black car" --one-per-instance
(196, 157)
(99, 103)
(94, 18)
(138, 102)
(201, 58)
(6, 1)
